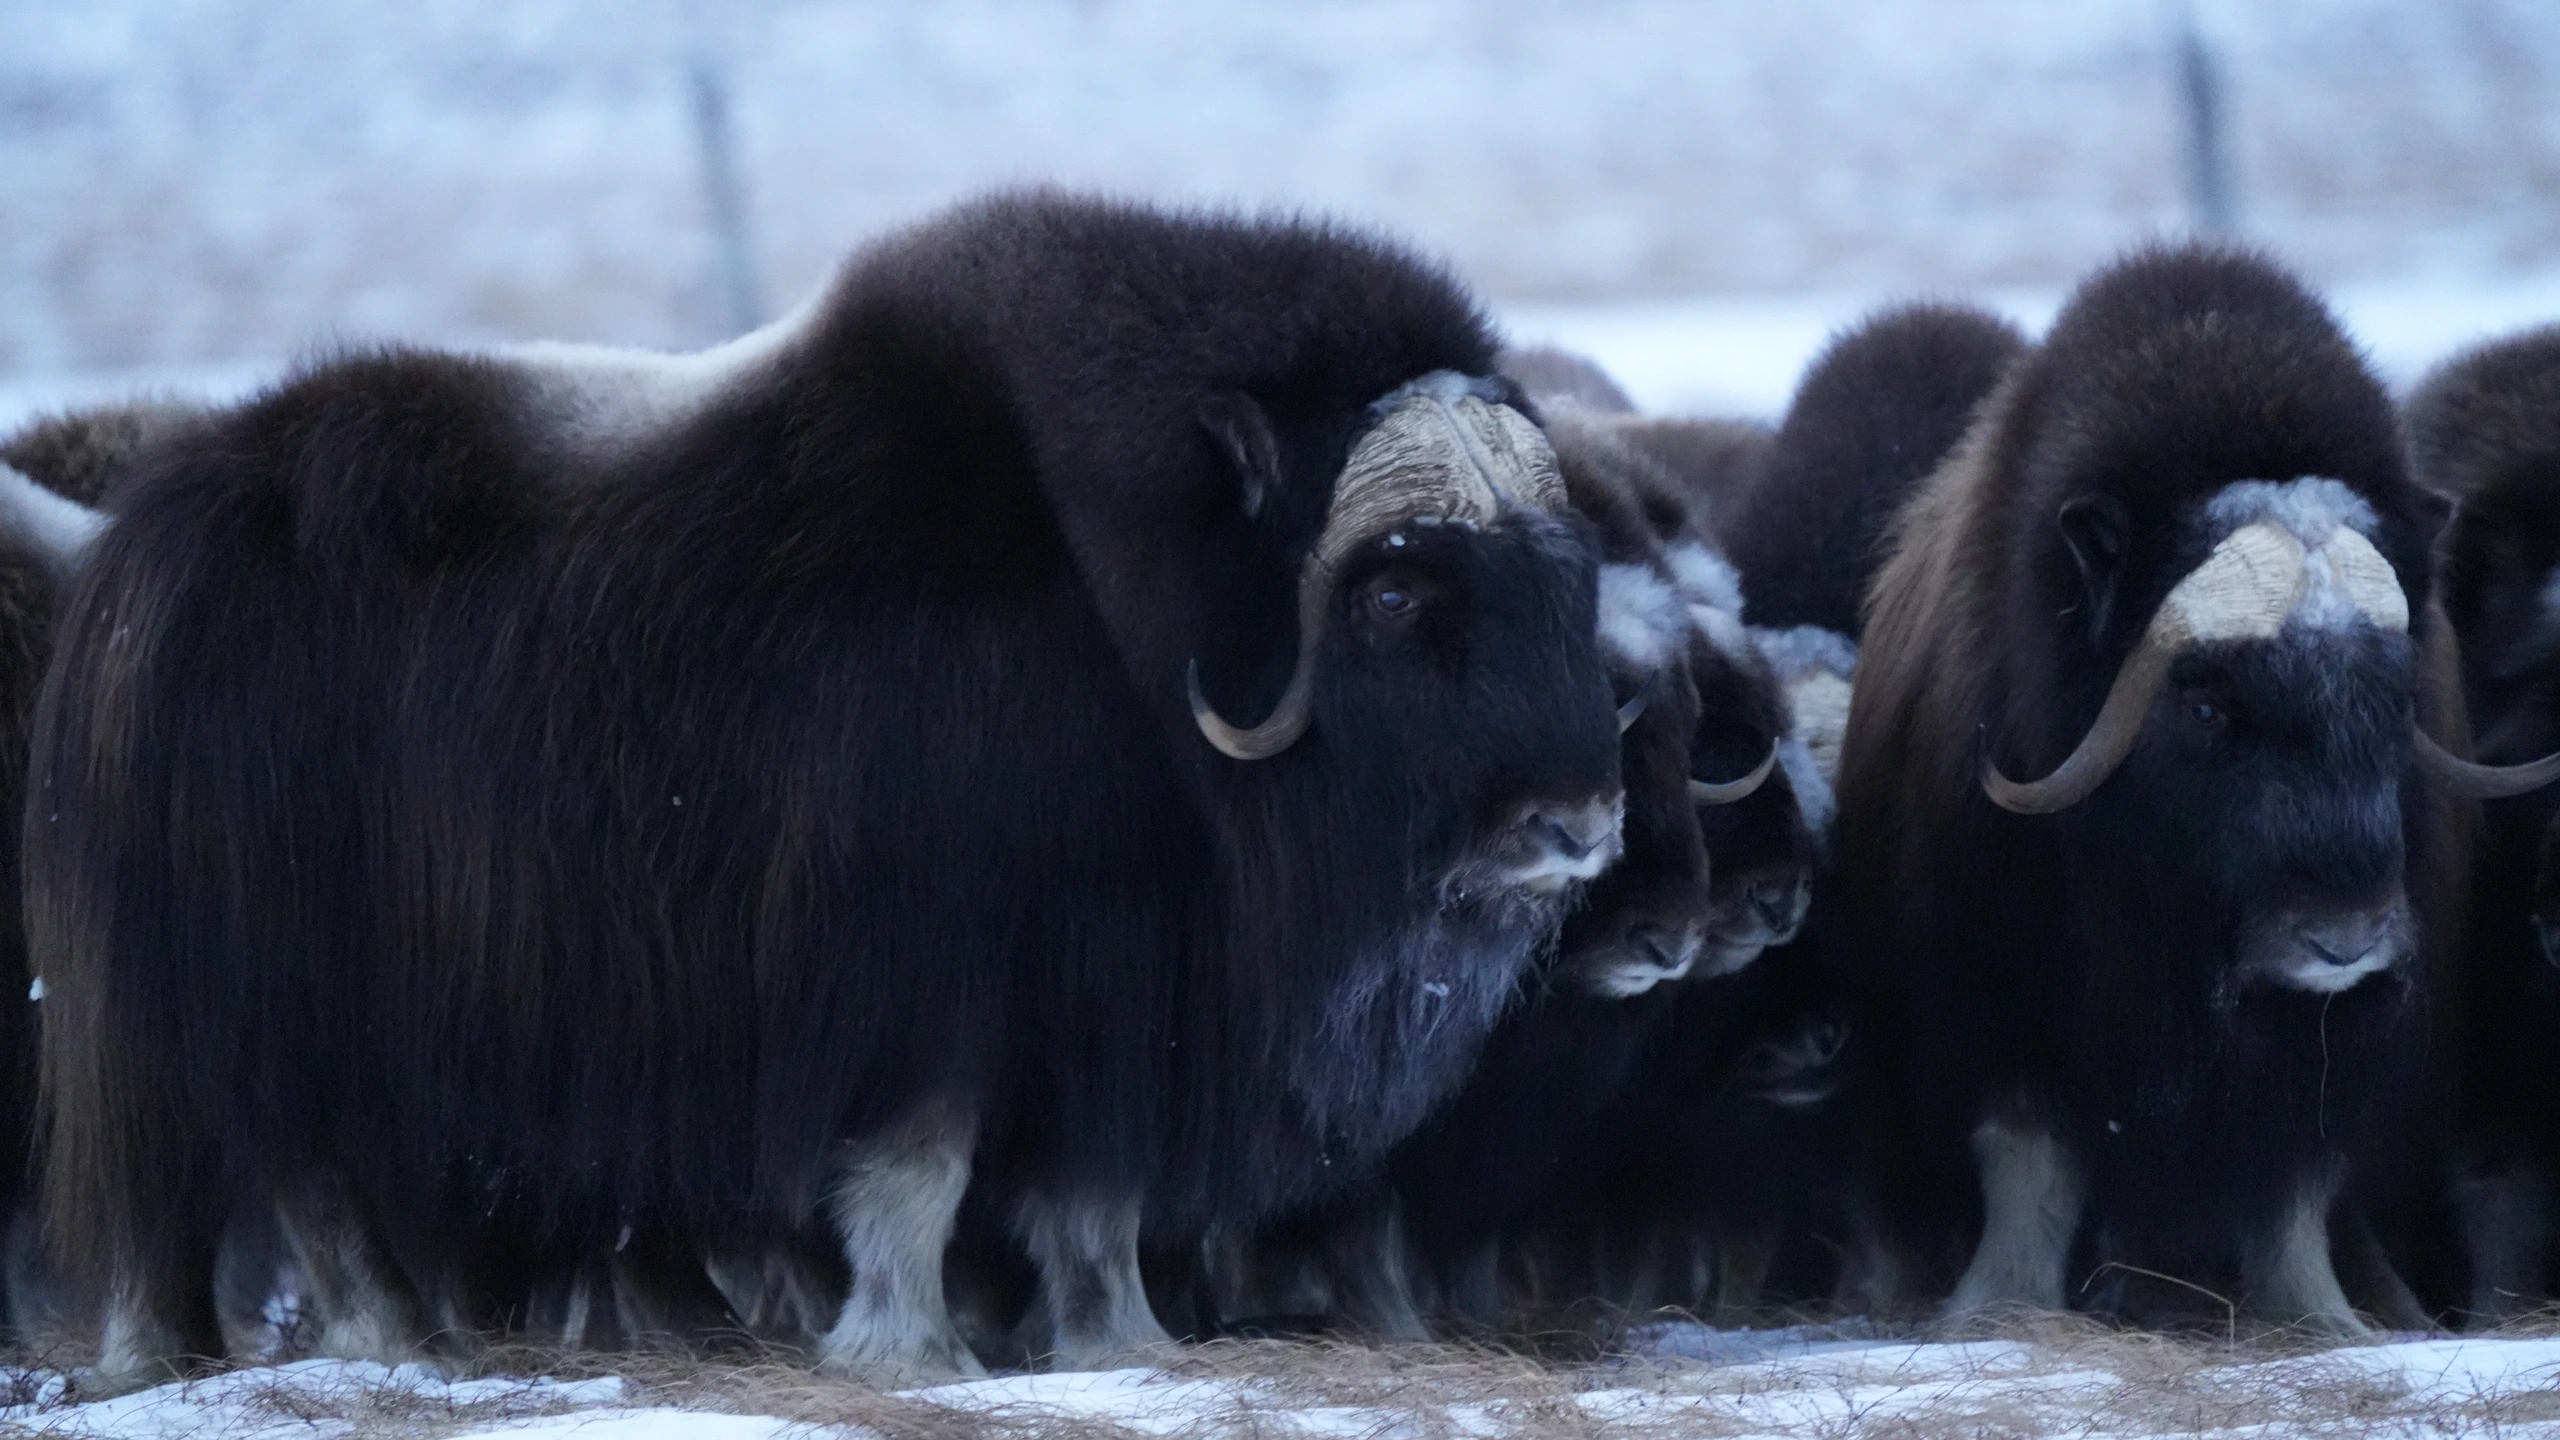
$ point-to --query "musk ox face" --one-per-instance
(1467, 656)
(2264, 734)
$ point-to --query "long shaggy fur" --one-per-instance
(542, 813)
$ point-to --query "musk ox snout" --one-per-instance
(1551, 844)
(2324, 950)
(1644, 955)
(1765, 908)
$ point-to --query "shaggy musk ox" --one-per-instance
(2486, 429)
(1102, 706)
(2150, 859)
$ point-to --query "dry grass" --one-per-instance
(2032, 1375)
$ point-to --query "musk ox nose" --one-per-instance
(2345, 939)
(2325, 951)
(1780, 904)
(1647, 956)
(1562, 841)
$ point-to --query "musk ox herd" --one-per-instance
(1124, 775)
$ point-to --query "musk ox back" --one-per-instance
(2485, 430)
(2159, 1001)
(1101, 706)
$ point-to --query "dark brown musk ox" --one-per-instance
(2157, 1002)
(2485, 430)
(504, 801)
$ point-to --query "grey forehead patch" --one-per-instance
(2310, 507)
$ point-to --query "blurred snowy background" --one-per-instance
(196, 190)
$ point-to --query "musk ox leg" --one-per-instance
(1092, 1304)
(662, 1292)
(1471, 1291)
(2506, 1233)
(364, 1307)
(161, 1320)
(896, 1198)
(1744, 1257)
(2288, 1273)
(784, 1293)
(2031, 1199)
(1372, 1275)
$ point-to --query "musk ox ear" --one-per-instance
(1243, 430)
(2097, 530)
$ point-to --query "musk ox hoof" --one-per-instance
(106, 1381)
(903, 1364)
(2345, 1325)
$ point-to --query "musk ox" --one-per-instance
(2485, 429)
(1101, 706)
(2159, 999)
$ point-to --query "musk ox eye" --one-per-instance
(2203, 712)
(1392, 597)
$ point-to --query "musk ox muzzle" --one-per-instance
(2256, 579)
(2324, 950)
(1444, 450)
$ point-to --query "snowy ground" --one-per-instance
(1676, 1379)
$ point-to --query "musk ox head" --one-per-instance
(2281, 678)
(1445, 457)
(1447, 708)
(2217, 541)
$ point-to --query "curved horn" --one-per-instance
(1634, 709)
(2243, 590)
(2474, 781)
(1288, 719)
(1709, 792)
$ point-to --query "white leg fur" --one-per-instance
(133, 1353)
(1092, 1306)
(2288, 1273)
(2506, 1227)
(365, 1309)
(2031, 1197)
(896, 1197)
